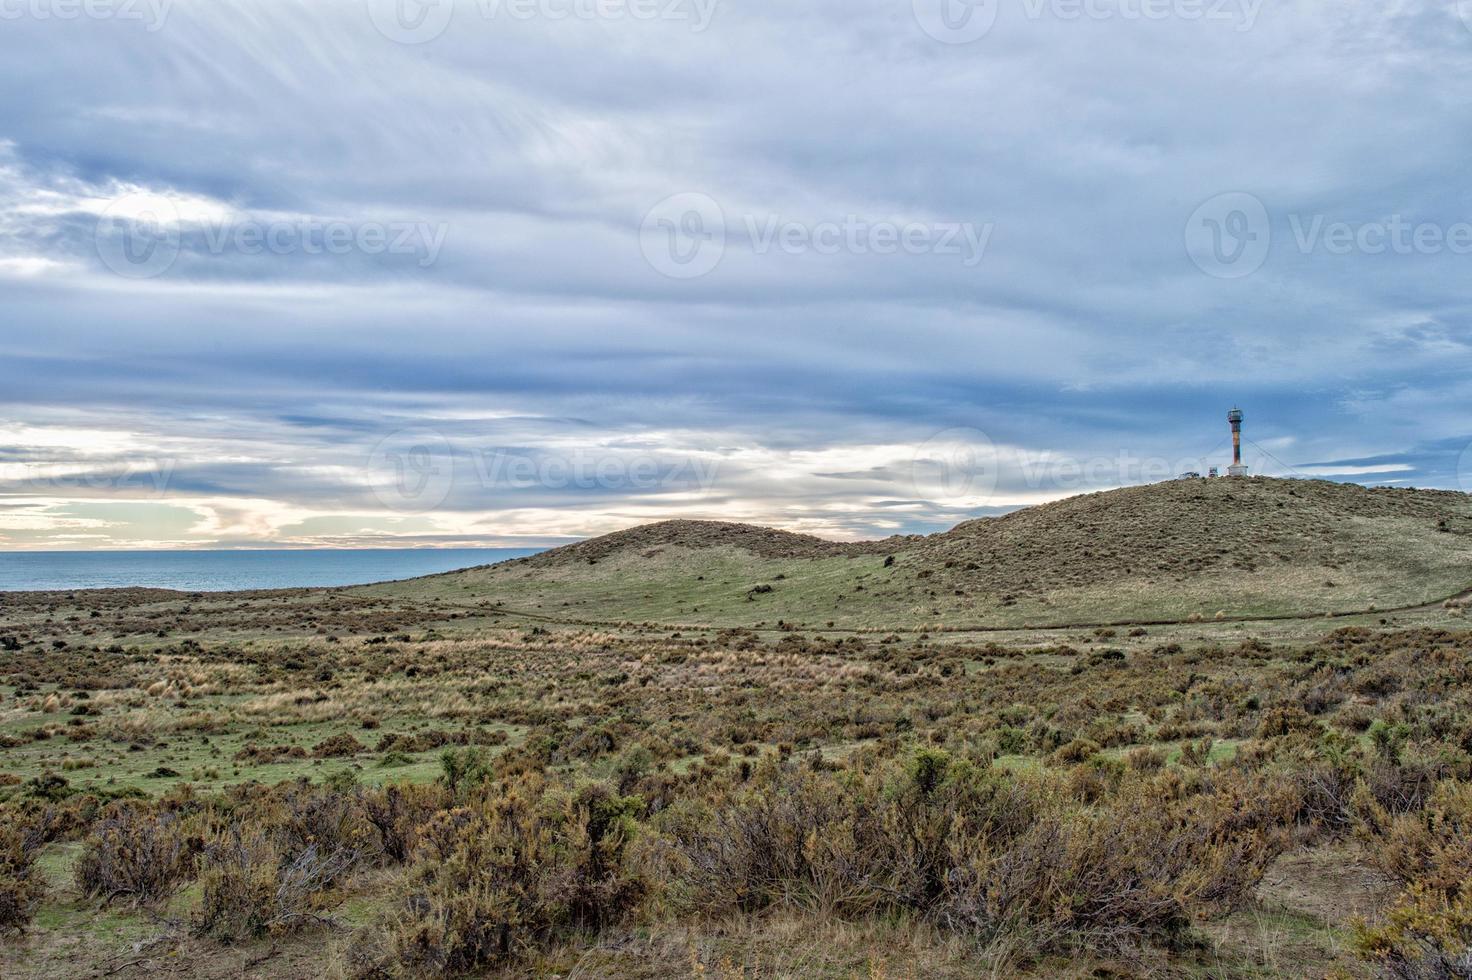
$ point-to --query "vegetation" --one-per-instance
(367, 783)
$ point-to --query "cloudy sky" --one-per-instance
(506, 272)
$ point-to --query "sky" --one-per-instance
(392, 273)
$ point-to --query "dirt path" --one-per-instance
(1299, 922)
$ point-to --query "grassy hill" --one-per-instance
(1167, 551)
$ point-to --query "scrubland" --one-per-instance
(1203, 729)
(461, 796)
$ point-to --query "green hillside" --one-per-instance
(1169, 551)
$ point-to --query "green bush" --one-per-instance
(462, 770)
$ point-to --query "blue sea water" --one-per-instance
(229, 571)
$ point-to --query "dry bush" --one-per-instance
(1432, 847)
(1177, 731)
(1285, 720)
(1407, 781)
(135, 854)
(251, 887)
(1328, 776)
(1095, 780)
(1344, 784)
(1424, 936)
(1078, 750)
(1197, 753)
(260, 755)
(420, 741)
(1145, 758)
(22, 835)
(522, 867)
(1114, 736)
(275, 860)
(978, 852)
(303, 816)
(1427, 932)
(397, 812)
(337, 746)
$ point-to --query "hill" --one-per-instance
(1168, 551)
(648, 539)
(1171, 533)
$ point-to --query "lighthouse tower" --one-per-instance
(1235, 418)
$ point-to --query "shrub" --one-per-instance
(260, 755)
(522, 867)
(1145, 758)
(1114, 736)
(464, 769)
(336, 746)
(1094, 780)
(1328, 782)
(1427, 932)
(1287, 720)
(635, 763)
(21, 838)
(1425, 936)
(274, 867)
(1012, 740)
(1197, 753)
(977, 851)
(1078, 750)
(48, 786)
(252, 888)
(1432, 848)
(134, 854)
(302, 816)
(1389, 739)
(1406, 782)
(396, 813)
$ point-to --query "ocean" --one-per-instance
(230, 571)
